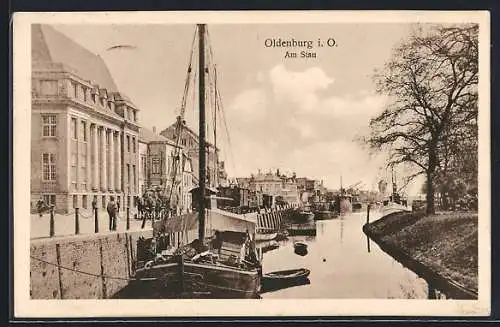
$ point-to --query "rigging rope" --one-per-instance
(219, 106)
(179, 128)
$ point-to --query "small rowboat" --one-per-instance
(299, 246)
(285, 278)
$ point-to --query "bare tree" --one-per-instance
(431, 82)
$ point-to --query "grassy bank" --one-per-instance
(445, 242)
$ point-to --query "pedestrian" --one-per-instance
(94, 204)
(118, 206)
(40, 207)
(112, 211)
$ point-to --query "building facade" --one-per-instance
(163, 170)
(216, 174)
(84, 136)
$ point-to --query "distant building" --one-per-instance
(275, 187)
(216, 174)
(164, 171)
(84, 135)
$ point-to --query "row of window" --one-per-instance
(49, 169)
(81, 92)
(49, 127)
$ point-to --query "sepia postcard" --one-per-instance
(314, 163)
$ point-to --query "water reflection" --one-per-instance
(342, 265)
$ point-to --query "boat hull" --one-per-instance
(324, 215)
(288, 278)
(302, 229)
(392, 207)
(262, 237)
(303, 217)
(211, 281)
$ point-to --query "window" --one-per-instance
(83, 167)
(128, 175)
(128, 143)
(75, 90)
(49, 166)
(135, 116)
(49, 124)
(84, 201)
(74, 130)
(94, 98)
(102, 102)
(84, 90)
(73, 169)
(83, 131)
(134, 176)
(49, 199)
(183, 142)
(133, 144)
(48, 87)
(144, 167)
(156, 166)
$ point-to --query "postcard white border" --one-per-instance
(26, 307)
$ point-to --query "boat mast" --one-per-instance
(201, 100)
(216, 157)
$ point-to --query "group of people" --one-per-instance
(155, 205)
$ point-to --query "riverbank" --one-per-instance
(443, 247)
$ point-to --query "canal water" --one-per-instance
(343, 264)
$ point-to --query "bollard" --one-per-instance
(77, 222)
(128, 218)
(51, 221)
(96, 221)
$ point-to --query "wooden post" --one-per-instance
(77, 221)
(128, 218)
(96, 221)
(51, 227)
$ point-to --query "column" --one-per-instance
(104, 185)
(95, 168)
(89, 161)
(118, 167)
(111, 163)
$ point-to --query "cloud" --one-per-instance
(249, 105)
(299, 87)
(295, 121)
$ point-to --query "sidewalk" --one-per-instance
(64, 224)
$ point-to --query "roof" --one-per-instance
(190, 131)
(50, 45)
(148, 136)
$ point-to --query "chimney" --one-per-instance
(154, 129)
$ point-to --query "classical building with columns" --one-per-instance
(84, 132)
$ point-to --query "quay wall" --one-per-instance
(82, 266)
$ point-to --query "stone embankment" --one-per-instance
(442, 248)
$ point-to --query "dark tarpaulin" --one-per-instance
(176, 224)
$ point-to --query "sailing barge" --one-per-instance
(228, 267)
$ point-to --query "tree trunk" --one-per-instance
(430, 179)
(430, 194)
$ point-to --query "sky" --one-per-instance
(296, 114)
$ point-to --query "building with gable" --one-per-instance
(161, 172)
(216, 173)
